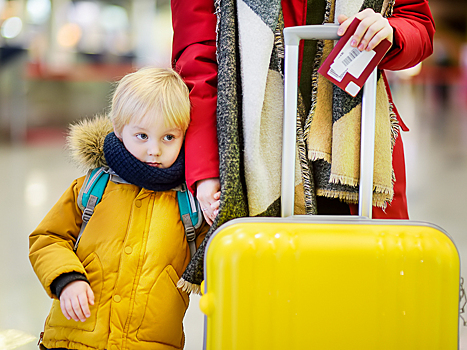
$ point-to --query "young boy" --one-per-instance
(118, 289)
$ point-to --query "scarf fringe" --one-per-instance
(348, 197)
(279, 39)
(395, 127)
(317, 155)
(388, 8)
(305, 166)
(383, 190)
(350, 181)
(189, 287)
(217, 12)
(342, 179)
(395, 132)
(381, 198)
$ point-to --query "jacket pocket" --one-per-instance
(94, 273)
(163, 317)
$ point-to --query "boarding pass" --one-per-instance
(347, 66)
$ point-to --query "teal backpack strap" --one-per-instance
(90, 195)
(190, 214)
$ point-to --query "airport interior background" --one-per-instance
(58, 62)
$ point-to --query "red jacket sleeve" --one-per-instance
(413, 35)
(194, 57)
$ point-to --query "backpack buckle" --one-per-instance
(189, 229)
(190, 236)
(87, 213)
(89, 210)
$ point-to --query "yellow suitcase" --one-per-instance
(329, 283)
(357, 284)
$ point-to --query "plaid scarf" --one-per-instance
(331, 130)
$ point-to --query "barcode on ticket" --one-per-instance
(348, 67)
(351, 56)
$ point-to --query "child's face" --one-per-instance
(152, 143)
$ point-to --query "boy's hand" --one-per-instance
(208, 194)
(75, 299)
(372, 29)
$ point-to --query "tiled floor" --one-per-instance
(34, 176)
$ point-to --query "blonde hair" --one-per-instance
(151, 92)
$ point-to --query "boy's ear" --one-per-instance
(117, 132)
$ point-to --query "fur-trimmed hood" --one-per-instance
(85, 141)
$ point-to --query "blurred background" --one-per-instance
(58, 62)
(58, 58)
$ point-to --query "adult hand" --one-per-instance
(372, 29)
(208, 194)
(75, 299)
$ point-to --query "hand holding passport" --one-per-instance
(347, 66)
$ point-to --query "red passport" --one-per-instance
(347, 66)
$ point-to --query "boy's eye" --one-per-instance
(142, 136)
(169, 137)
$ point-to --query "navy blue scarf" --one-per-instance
(136, 172)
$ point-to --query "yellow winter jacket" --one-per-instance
(133, 251)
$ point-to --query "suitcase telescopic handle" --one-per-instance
(292, 37)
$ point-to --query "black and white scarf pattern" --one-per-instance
(250, 109)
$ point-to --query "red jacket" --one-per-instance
(194, 56)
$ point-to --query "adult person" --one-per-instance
(244, 59)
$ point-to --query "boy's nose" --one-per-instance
(154, 150)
